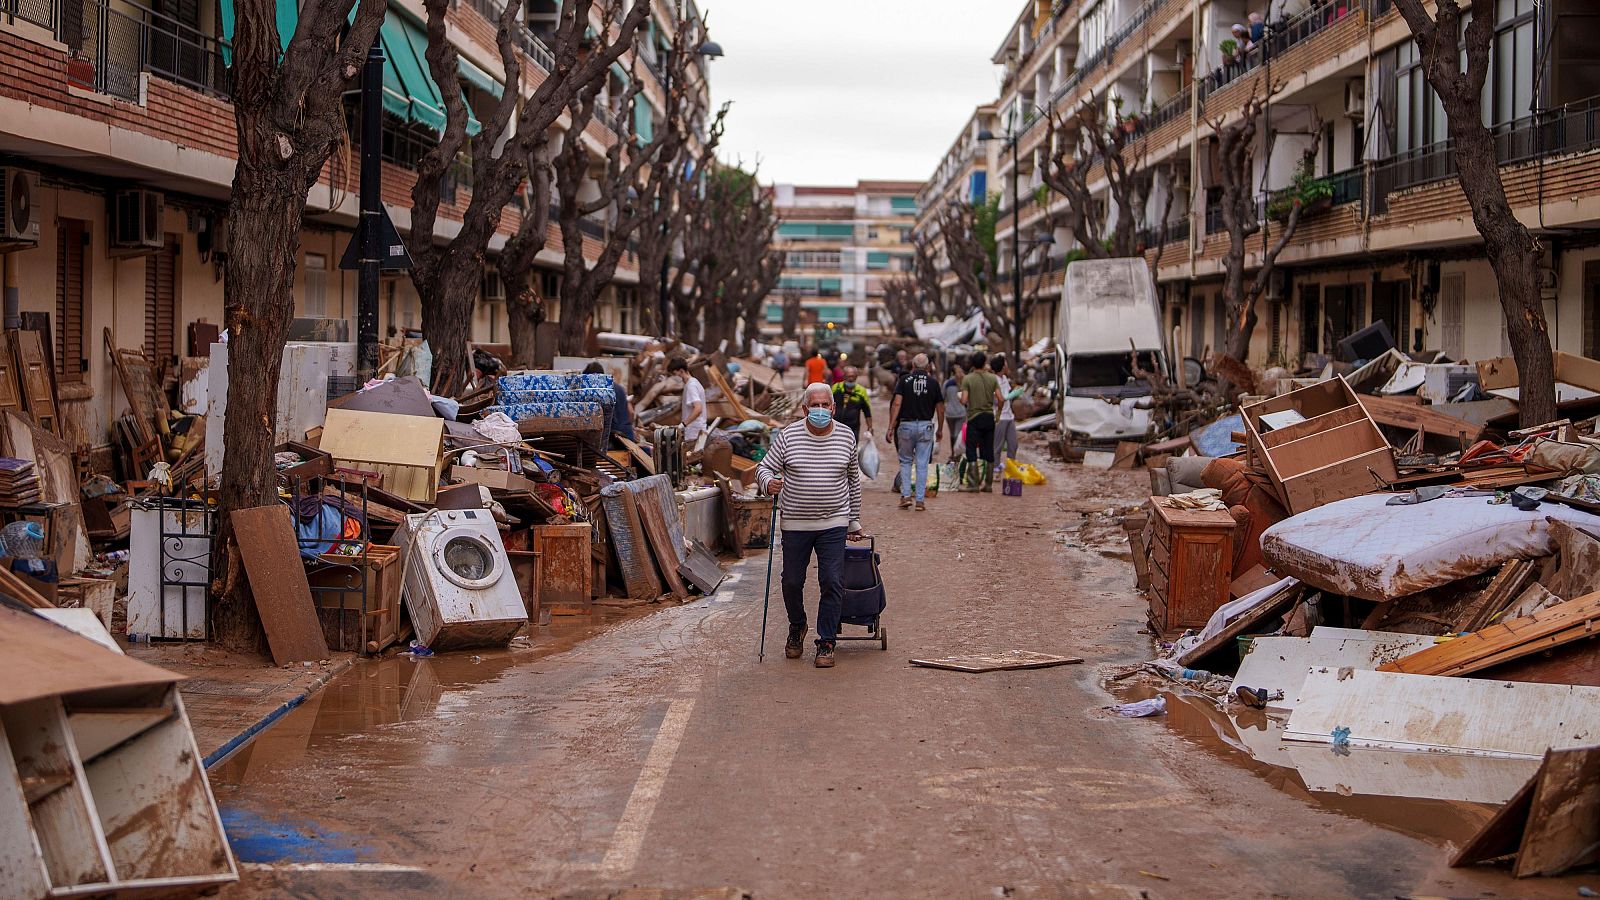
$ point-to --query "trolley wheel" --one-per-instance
(883, 638)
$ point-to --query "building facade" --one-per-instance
(840, 244)
(117, 151)
(962, 177)
(1391, 237)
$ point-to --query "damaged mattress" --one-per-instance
(1364, 548)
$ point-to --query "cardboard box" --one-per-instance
(498, 479)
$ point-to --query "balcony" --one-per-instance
(109, 49)
(1569, 129)
(1177, 105)
(527, 41)
(1099, 58)
(1279, 38)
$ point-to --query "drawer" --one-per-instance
(1161, 555)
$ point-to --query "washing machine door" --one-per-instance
(467, 559)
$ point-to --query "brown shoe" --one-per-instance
(905, 502)
(796, 645)
(825, 655)
(922, 507)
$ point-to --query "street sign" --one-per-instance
(393, 255)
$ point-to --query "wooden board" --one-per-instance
(659, 535)
(1394, 711)
(404, 449)
(1547, 628)
(37, 379)
(1552, 824)
(562, 571)
(1414, 417)
(10, 384)
(995, 662)
(730, 527)
(1272, 605)
(266, 539)
(142, 387)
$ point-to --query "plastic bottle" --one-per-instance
(22, 540)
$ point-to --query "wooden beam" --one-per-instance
(1549, 627)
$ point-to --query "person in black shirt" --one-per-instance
(916, 418)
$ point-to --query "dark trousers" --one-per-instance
(980, 438)
(797, 549)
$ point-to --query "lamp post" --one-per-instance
(709, 50)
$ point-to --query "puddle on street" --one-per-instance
(1437, 797)
(397, 688)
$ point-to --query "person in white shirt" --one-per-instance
(1005, 426)
(694, 400)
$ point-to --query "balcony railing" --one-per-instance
(1568, 129)
(529, 42)
(109, 49)
(1097, 59)
(1177, 105)
(1153, 238)
(1278, 39)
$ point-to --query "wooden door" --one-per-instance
(561, 570)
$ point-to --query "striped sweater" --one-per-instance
(821, 478)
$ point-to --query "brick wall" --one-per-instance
(1325, 45)
(1564, 178)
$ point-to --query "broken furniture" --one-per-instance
(169, 568)
(403, 453)
(1551, 824)
(102, 790)
(375, 576)
(1318, 445)
(1190, 564)
(562, 571)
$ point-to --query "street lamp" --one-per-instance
(1011, 139)
(708, 50)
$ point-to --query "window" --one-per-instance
(72, 235)
(1419, 116)
(161, 302)
(1512, 63)
(316, 305)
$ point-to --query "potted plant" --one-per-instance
(1311, 194)
(1229, 48)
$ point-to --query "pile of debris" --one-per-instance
(1383, 575)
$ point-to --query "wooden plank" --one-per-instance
(13, 586)
(1500, 836)
(646, 464)
(1563, 826)
(1273, 604)
(730, 528)
(266, 539)
(1549, 627)
(38, 383)
(1414, 417)
(660, 537)
(1510, 581)
(405, 450)
(97, 730)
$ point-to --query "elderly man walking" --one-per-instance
(812, 468)
(916, 418)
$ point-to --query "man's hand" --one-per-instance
(856, 536)
(774, 486)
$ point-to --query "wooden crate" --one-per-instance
(1331, 455)
(383, 601)
(1190, 565)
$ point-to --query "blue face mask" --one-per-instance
(820, 416)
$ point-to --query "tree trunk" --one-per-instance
(265, 214)
(447, 324)
(1239, 336)
(524, 313)
(577, 311)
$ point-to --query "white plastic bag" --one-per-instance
(867, 455)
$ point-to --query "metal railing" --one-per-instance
(527, 41)
(36, 12)
(1173, 107)
(1097, 59)
(1348, 185)
(1152, 238)
(1278, 38)
(109, 49)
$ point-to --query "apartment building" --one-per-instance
(840, 244)
(117, 151)
(1393, 238)
(961, 177)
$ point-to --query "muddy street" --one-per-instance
(654, 750)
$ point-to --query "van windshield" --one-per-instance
(1108, 374)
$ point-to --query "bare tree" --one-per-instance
(935, 302)
(525, 306)
(730, 261)
(1074, 151)
(448, 275)
(970, 244)
(1457, 78)
(901, 301)
(791, 313)
(290, 116)
(1236, 151)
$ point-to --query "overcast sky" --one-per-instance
(832, 91)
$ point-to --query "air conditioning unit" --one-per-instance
(1355, 98)
(493, 288)
(19, 211)
(136, 219)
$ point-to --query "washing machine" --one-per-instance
(458, 583)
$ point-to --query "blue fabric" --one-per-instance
(1216, 439)
(559, 395)
(321, 532)
(797, 549)
(914, 440)
(621, 415)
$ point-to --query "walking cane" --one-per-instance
(772, 533)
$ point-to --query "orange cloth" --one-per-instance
(816, 370)
(1253, 507)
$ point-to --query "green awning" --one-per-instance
(835, 314)
(288, 15)
(774, 312)
(480, 79)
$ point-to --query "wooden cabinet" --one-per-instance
(1190, 555)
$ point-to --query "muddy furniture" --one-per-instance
(101, 786)
(1325, 447)
(1190, 565)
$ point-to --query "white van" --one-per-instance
(1108, 311)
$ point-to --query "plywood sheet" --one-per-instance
(278, 582)
(1281, 663)
(995, 662)
(41, 659)
(372, 437)
(1425, 712)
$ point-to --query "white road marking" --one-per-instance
(326, 867)
(635, 821)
